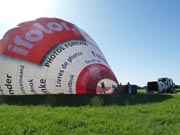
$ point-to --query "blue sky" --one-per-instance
(139, 38)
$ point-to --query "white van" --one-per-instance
(169, 85)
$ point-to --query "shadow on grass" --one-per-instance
(82, 100)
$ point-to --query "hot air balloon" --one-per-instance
(52, 56)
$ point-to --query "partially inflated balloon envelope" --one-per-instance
(52, 56)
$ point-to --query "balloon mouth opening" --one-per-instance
(105, 86)
(91, 78)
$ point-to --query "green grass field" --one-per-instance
(138, 114)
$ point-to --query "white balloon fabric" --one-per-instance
(52, 56)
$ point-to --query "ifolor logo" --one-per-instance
(40, 35)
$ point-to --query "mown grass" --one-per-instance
(138, 114)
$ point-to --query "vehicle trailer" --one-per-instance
(155, 86)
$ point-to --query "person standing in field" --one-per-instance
(129, 88)
(102, 88)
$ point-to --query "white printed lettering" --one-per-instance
(55, 26)
(42, 28)
(34, 35)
